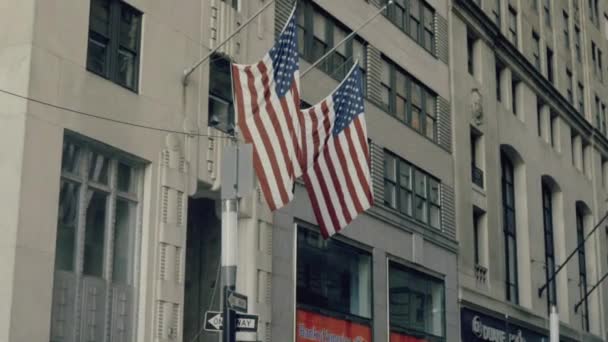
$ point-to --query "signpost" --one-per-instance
(244, 322)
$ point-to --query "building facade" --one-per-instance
(530, 166)
(120, 162)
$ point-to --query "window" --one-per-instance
(513, 25)
(476, 157)
(549, 245)
(333, 276)
(550, 76)
(96, 240)
(498, 70)
(593, 59)
(575, 148)
(585, 154)
(553, 131)
(496, 12)
(534, 5)
(514, 96)
(471, 41)
(539, 116)
(577, 42)
(478, 216)
(416, 305)
(409, 100)
(605, 176)
(582, 266)
(600, 70)
(570, 86)
(318, 33)
(114, 41)
(221, 110)
(417, 19)
(566, 30)
(536, 50)
(598, 111)
(508, 205)
(411, 191)
(602, 124)
(596, 11)
(605, 26)
(547, 12)
(581, 99)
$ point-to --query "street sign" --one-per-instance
(213, 321)
(237, 301)
(244, 322)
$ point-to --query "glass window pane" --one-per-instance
(400, 80)
(129, 29)
(399, 17)
(72, 158)
(420, 184)
(332, 275)
(97, 56)
(435, 216)
(405, 173)
(512, 256)
(339, 34)
(98, 168)
(400, 108)
(428, 40)
(415, 118)
(415, 8)
(434, 188)
(390, 197)
(124, 235)
(430, 104)
(405, 204)
(126, 68)
(430, 127)
(94, 233)
(428, 18)
(390, 168)
(386, 96)
(416, 94)
(100, 17)
(421, 209)
(67, 223)
(386, 73)
(126, 178)
(319, 26)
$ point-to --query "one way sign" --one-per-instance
(214, 322)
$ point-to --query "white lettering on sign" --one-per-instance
(491, 334)
(245, 323)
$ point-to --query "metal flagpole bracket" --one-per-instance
(190, 70)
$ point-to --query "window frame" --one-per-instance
(425, 115)
(113, 43)
(394, 265)
(549, 238)
(110, 189)
(582, 262)
(409, 19)
(412, 191)
(510, 232)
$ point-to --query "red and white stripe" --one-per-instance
(272, 125)
(336, 168)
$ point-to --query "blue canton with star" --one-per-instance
(285, 58)
(348, 101)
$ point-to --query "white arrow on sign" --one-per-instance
(216, 321)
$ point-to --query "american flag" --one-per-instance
(336, 156)
(268, 107)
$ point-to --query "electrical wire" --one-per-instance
(110, 119)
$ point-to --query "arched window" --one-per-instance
(508, 206)
(582, 263)
(549, 244)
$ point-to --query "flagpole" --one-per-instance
(346, 38)
(190, 70)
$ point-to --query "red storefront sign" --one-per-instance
(395, 337)
(318, 328)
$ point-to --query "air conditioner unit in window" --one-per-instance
(220, 116)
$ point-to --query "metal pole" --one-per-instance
(346, 39)
(190, 70)
(563, 264)
(229, 259)
(553, 325)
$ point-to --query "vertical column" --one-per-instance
(171, 244)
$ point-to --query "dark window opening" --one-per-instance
(549, 245)
(221, 110)
(509, 229)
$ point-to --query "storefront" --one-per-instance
(476, 326)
